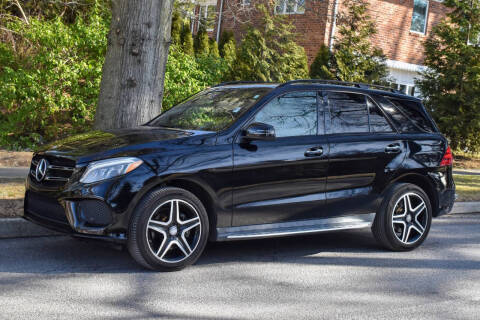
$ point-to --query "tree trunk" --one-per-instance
(133, 75)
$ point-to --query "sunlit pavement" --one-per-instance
(335, 275)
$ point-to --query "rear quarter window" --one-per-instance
(415, 113)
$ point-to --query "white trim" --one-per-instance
(219, 24)
(334, 25)
(400, 65)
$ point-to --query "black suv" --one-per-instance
(250, 160)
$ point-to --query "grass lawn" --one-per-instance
(11, 197)
(468, 187)
(466, 161)
(15, 158)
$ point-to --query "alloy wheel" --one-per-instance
(173, 231)
(409, 218)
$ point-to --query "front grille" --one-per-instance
(45, 207)
(58, 170)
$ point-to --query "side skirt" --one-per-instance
(295, 228)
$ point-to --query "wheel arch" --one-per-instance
(203, 194)
(425, 184)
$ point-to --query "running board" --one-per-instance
(295, 228)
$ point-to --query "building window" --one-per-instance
(408, 89)
(206, 16)
(290, 7)
(419, 16)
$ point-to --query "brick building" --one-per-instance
(402, 27)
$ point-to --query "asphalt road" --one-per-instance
(336, 275)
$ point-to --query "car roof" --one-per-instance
(321, 85)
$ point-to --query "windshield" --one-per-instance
(210, 110)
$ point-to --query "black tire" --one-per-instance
(388, 234)
(140, 241)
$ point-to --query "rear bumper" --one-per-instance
(446, 201)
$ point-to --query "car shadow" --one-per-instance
(63, 254)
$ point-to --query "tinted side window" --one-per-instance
(413, 110)
(378, 122)
(348, 113)
(399, 119)
(292, 114)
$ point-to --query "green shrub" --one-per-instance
(229, 56)
(201, 42)
(213, 48)
(187, 40)
(225, 37)
(186, 75)
(177, 25)
(50, 77)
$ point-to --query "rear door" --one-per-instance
(364, 151)
(284, 179)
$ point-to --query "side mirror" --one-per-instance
(259, 131)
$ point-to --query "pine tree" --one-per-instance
(320, 66)
(177, 25)
(226, 36)
(229, 56)
(213, 48)
(201, 41)
(187, 40)
(269, 52)
(450, 83)
(354, 58)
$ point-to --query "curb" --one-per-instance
(466, 207)
(19, 227)
(14, 173)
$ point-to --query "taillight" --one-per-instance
(447, 159)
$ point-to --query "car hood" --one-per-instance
(97, 145)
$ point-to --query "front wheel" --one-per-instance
(404, 218)
(168, 230)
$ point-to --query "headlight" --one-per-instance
(106, 169)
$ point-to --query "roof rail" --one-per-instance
(342, 83)
(240, 82)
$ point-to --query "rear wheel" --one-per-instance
(168, 230)
(404, 219)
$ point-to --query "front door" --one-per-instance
(284, 179)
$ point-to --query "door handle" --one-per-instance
(314, 152)
(393, 148)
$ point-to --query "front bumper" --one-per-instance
(100, 210)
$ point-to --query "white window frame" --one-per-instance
(397, 86)
(295, 10)
(205, 16)
(425, 25)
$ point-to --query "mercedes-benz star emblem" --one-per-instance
(41, 170)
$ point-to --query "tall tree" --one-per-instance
(354, 58)
(132, 83)
(451, 82)
(269, 52)
(320, 66)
